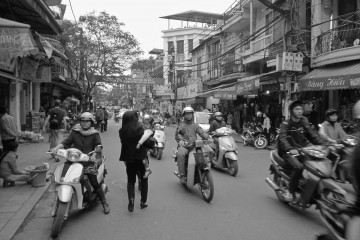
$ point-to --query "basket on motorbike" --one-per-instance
(203, 157)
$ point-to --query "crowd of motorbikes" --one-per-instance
(325, 170)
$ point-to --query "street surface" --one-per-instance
(244, 207)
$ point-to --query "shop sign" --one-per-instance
(186, 92)
(225, 95)
(331, 83)
(247, 86)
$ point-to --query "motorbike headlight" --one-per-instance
(74, 155)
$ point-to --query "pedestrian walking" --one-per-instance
(106, 117)
(8, 129)
(130, 135)
(57, 124)
(99, 115)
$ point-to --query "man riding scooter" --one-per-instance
(217, 123)
(295, 132)
(186, 132)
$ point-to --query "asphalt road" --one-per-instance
(244, 207)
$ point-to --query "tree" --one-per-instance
(98, 49)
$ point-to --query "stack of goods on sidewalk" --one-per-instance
(31, 137)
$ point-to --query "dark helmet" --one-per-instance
(330, 112)
(295, 104)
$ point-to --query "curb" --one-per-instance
(10, 229)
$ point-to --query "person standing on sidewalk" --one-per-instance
(8, 128)
(106, 117)
(266, 127)
(57, 124)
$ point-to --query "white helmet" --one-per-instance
(187, 110)
(356, 110)
(87, 116)
(218, 114)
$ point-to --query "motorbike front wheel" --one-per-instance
(159, 153)
(260, 142)
(58, 219)
(233, 167)
(207, 186)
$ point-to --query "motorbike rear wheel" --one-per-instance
(233, 167)
(207, 186)
(260, 142)
(58, 219)
(159, 153)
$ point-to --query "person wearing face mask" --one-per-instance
(294, 133)
(84, 137)
(331, 130)
(186, 132)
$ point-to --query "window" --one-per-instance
(268, 19)
(171, 49)
(180, 47)
(190, 45)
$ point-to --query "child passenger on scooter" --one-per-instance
(148, 126)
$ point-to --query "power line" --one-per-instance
(72, 10)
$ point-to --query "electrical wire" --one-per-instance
(72, 10)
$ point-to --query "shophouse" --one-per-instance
(334, 81)
(179, 40)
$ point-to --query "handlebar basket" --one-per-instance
(203, 157)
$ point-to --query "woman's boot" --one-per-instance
(101, 195)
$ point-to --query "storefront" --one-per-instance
(336, 86)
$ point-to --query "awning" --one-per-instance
(16, 41)
(227, 89)
(33, 12)
(342, 76)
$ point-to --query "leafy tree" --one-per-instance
(98, 48)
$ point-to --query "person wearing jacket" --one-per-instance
(130, 134)
(186, 132)
(331, 130)
(295, 132)
(217, 123)
(266, 127)
(85, 138)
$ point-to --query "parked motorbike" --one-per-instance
(227, 157)
(254, 136)
(69, 181)
(316, 182)
(197, 170)
(159, 135)
(274, 135)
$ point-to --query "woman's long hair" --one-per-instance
(130, 123)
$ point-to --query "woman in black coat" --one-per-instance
(130, 134)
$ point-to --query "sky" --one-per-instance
(141, 17)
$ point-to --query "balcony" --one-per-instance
(237, 18)
(337, 45)
(257, 49)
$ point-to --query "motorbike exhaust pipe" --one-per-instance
(272, 184)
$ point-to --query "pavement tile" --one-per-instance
(38, 235)
(23, 194)
(4, 218)
(10, 228)
(39, 223)
(10, 207)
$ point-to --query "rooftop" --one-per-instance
(195, 16)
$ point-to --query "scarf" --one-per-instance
(88, 132)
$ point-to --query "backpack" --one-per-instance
(56, 118)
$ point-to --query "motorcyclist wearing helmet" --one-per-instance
(217, 123)
(186, 132)
(295, 132)
(331, 130)
(84, 137)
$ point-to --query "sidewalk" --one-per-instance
(17, 202)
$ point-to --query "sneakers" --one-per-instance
(182, 180)
(143, 205)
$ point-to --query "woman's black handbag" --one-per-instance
(150, 143)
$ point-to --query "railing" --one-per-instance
(261, 44)
(236, 10)
(337, 38)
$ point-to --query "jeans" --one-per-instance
(182, 152)
(297, 168)
(131, 170)
(5, 143)
(105, 124)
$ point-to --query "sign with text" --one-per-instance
(189, 91)
(225, 95)
(330, 83)
(246, 87)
